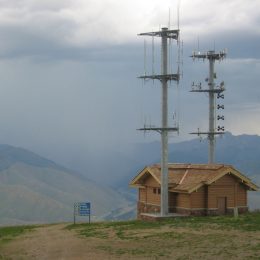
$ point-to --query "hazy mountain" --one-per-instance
(34, 189)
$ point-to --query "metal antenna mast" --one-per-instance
(164, 77)
(212, 90)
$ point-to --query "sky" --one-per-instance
(68, 72)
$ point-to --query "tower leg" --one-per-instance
(164, 133)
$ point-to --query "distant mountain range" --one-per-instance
(242, 151)
(36, 190)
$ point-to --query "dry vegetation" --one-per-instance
(189, 238)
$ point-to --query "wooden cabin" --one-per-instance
(194, 189)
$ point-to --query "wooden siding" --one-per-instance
(228, 187)
(142, 195)
(183, 200)
(220, 191)
(150, 181)
(147, 194)
(198, 198)
(153, 198)
(241, 195)
(226, 180)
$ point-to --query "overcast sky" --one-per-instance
(68, 71)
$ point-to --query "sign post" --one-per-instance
(82, 209)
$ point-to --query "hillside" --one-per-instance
(36, 190)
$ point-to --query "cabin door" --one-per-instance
(222, 205)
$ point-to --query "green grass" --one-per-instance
(205, 237)
(9, 233)
(246, 222)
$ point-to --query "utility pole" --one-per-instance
(164, 77)
(212, 91)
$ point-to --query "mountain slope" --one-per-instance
(34, 189)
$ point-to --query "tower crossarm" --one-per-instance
(211, 55)
(166, 77)
(160, 129)
(173, 34)
(216, 90)
(207, 133)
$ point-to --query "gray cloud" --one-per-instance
(68, 73)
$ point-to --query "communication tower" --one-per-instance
(166, 36)
(213, 91)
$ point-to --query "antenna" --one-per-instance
(165, 34)
(169, 21)
(178, 14)
(212, 91)
(153, 57)
(144, 56)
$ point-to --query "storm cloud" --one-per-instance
(68, 72)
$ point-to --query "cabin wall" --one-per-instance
(151, 204)
(227, 187)
(198, 198)
(192, 204)
(150, 193)
(149, 197)
(241, 195)
(150, 181)
(183, 200)
(142, 194)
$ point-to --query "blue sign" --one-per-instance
(81, 209)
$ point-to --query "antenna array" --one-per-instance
(212, 91)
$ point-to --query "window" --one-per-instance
(156, 190)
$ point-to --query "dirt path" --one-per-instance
(51, 242)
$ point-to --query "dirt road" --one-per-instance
(51, 242)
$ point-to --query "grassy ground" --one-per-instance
(9, 233)
(222, 237)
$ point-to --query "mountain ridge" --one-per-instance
(35, 189)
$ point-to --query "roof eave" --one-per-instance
(179, 191)
(136, 186)
(231, 170)
(141, 174)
